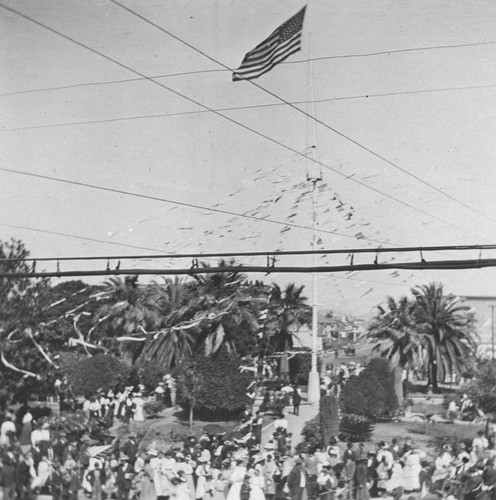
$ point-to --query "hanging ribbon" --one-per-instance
(19, 370)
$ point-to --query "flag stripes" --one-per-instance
(283, 42)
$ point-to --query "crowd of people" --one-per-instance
(127, 403)
(238, 466)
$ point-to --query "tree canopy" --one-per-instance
(432, 330)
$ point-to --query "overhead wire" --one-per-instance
(305, 113)
(268, 269)
(218, 70)
(179, 203)
(289, 148)
(262, 253)
(240, 108)
(85, 238)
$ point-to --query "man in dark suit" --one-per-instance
(297, 480)
(124, 478)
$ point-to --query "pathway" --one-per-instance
(295, 422)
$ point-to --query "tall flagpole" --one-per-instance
(314, 176)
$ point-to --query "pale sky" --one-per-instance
(71, 114)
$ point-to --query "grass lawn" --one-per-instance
(426, 436)
(167, 430)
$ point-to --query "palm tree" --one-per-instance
(448, 331)
(227, 309)
(287, 309)
(395, 336)
(127, 310)
(178, 328)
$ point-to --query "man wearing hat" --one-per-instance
(312, 466)
(130, 447)
(360, 480)
(124, 478)
(297, 480)
(327, 483)
(59, 445)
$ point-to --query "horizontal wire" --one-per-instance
(289, 148)
(239, 108)
(305, 113)
(218, 70)
(329, 251)
(422, 265)
(182, 203)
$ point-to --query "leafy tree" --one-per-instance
(102, 371)
(148, 374)
(26, 364)
(189, 386)
(213, 385)
(482, 388)
(371, 393)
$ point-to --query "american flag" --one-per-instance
(283, 42)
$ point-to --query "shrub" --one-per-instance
(355, 428)
(74, 424)
(98, 372)
(213, 385)
(481, 388)
(148, 374)
(312, 436)
(300, 365)
(153, 407)
(329, 417)
(371, 393)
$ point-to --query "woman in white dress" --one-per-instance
(411, 471)
(257, 484)
(396, 480)
(139, 415)
(237, 478)
(219, 481)
(185, 466)
(204, 480)
(270, 469)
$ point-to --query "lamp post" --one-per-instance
(313, 394)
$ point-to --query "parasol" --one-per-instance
(214, 429)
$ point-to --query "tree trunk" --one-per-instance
(433, 377)
(398, 384)
(190, 416)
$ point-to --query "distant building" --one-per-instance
(332, 331)
(481, 305)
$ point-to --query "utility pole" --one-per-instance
(313, 394)
(314, 175)
(492, 331)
